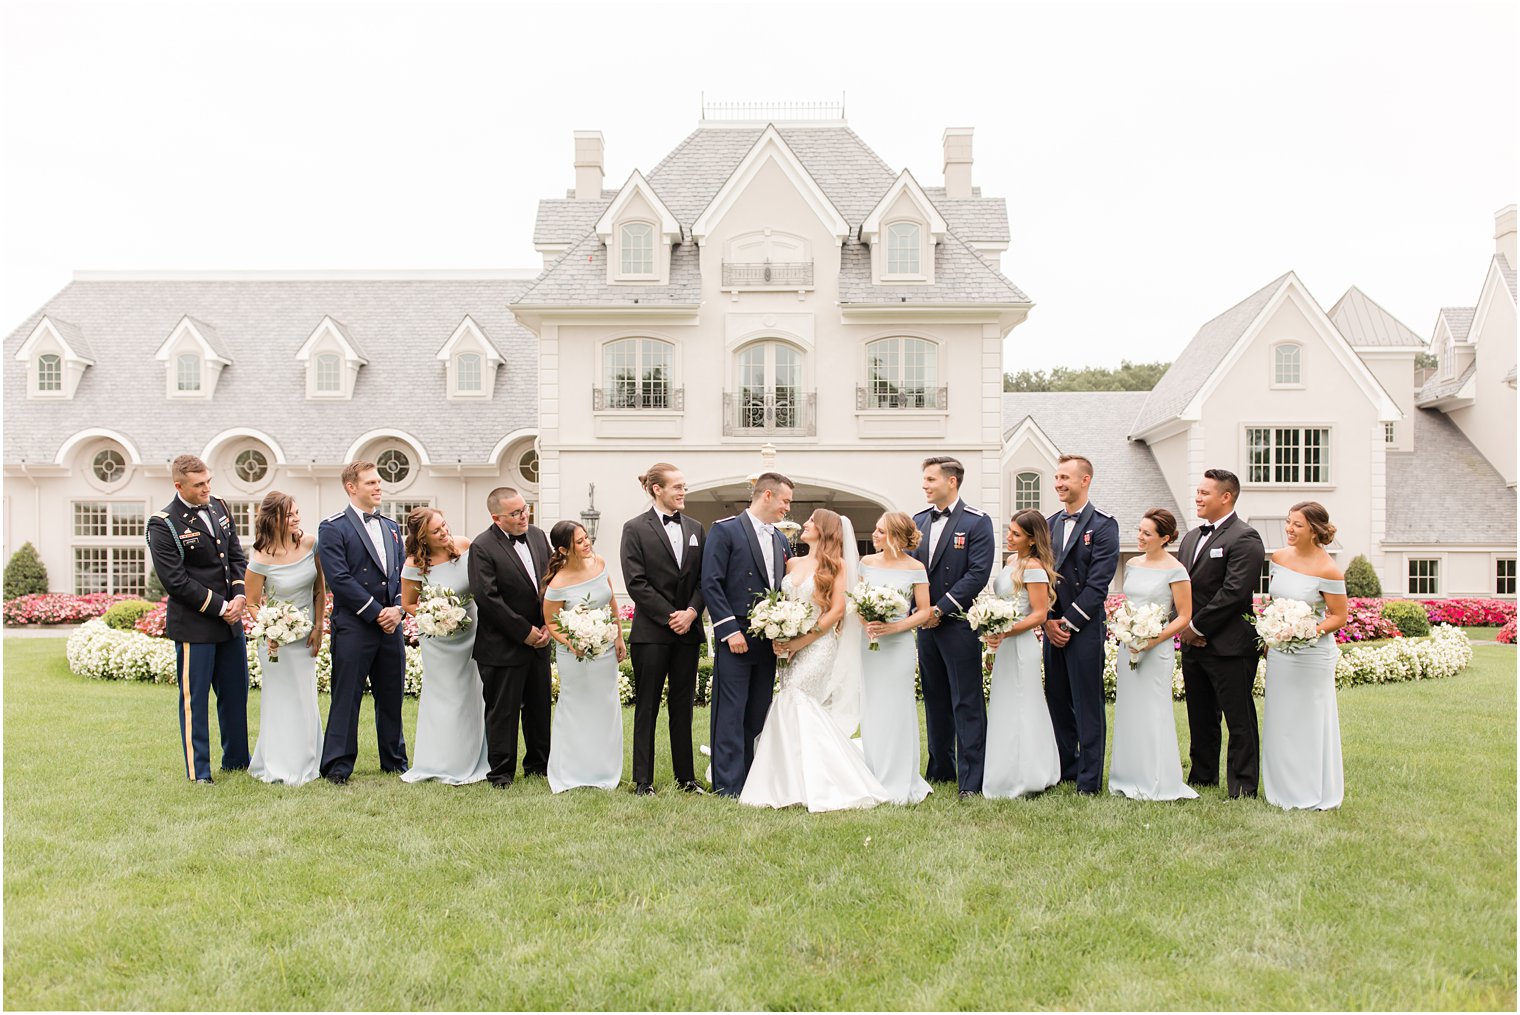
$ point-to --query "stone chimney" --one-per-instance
(957, 161)
(1504, 234)
(588, 165)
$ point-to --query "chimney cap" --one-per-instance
(588, 135)
(957, 132)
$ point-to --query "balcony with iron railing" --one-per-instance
(634, 396)
(782, 412)
(892, 397)
(767, 274)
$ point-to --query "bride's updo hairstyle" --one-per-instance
(1318, 520)
(562, 538)
(900, 529)
(830, 555)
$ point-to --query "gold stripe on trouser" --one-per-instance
(184, 684)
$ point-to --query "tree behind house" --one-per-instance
(1126, 376)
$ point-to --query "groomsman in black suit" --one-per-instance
(1223, 556)
(507, 565)
(662, 568)
(1086, 545)
(196, 552)
(957, 548)
(362, 553)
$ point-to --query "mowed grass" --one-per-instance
(125, 887)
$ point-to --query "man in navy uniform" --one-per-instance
(1086, 544)
(361, 559)
(200, 562)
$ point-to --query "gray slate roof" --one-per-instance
(1444, 460)
(1436, 389)
(1458, 321)
(401, 325)
(1127, 482)
(565, 221)
(1192, 368)
(851, 175)
(212, 338)
(69, 332)
(1365, 324)
(976, 218)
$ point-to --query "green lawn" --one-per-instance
(126, 887)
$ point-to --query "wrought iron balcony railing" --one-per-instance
(767, 274)
(656, 397)
(900, 398)
(784, 411)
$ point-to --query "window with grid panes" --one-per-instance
(1387, 433)
(1026, 491)
(109, 552)
(49, 373)
(188, 376)
(244, 514)
(1264, 580)
(329, 373)
(467, 372)
(903, 252)
(1287, 367)
(903, 373)
(1504, 576)
(1424, 577)
(637, 256)
(397, 510)
(636, 373)
(1287, 456)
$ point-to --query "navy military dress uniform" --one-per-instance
(950, 654)
(200, 562)
(364, 580)
(1074, 673)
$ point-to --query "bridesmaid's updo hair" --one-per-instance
(562, 538)
(658, 475)
(1165, 522)
(272, 521)
(1318, 519)
(900, 529)
(418, 521)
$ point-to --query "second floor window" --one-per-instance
(903, 254)
(187, 372)
(1026, 491)
(637, 256)
(49, 373)
(1286, 365)
(903, 373)
(770, 386)
(1287, 455)
(468, 375)
(636, 373)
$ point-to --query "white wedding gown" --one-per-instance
(802, 756)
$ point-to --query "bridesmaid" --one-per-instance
(1146, 764)
(451, 716)
(889, 708)
(586, 737)
(1301, 731)
(1021, 743)
(285, 566)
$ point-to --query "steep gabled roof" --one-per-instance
(1458, 321)
(1421, 483)
(72, 338)
(1367, 325)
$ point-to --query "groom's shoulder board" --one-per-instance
(1105, 514)
(333, 518)
(975, 511)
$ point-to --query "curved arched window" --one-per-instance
(1026, 491)
(902, 373)
(636, 374)
(903, 249)
(187, 375)
(637, 254)
(770, 387)
(1287, 367)
(49, 372)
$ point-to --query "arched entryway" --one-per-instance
(708, 503)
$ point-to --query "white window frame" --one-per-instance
(397, 508)
(1279, 352)
(1021, 490)
(1500, 561)
(893, 266)
(55, 361)
(1432, 575)
(120, 545)
(475, 360)
(1283, 456)
(637, 273)
(769, 388)
(317, 388)
(926, 392)
(413, 466)
(644, 394)
(1389, 437)
(245, 516)
(181, 361)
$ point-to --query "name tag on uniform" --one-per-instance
(693, 541)
(960, 541)
(1216, 551)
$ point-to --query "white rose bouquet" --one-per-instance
(1134, 627)
(590, 630)
(991, 614)
(1286, 625)
(876, 604)
(281, 623)
(779, 617)
(442, 612)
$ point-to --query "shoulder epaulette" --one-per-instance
(161, 514)
(333, 518)
(974, 511)
(923, 512)
(1100, 511)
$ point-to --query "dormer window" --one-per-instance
(332, 357)
(904, 249)
(187, 375)
(467, 373)
(471, 360)
(637, 254)
(49, 373)
(193, 356)
(638, 232)
(903, 231)
(1287, 366)
(56, 355)
(329, 373)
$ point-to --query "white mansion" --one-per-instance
(770, 293)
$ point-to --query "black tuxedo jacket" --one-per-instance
(657, 586)
(1223, 584)
(200, 569)
(507, 600)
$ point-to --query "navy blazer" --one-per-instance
(1086, 565)
(200, 570)
(733, 573)
(963, 559)
(361, 584)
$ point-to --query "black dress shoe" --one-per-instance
(205, 782)
(692, 786)
(503, 784)
(966, 794)
(337, 780)
(643, 789)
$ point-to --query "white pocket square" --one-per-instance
(693, 541)
(1217, 551)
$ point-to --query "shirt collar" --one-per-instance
(949, 508)
(1221, 521)
(758, 525)
(193, 507)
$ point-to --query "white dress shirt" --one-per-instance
(202, 513)
(763, 532)
(937, 527)
(1205, 537)
(525, 555)
(673, 532)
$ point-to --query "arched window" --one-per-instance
(1026, 491)
(251, 466)
(902, 373)
(49, 372)
(527, 466)
(187, 372)
(468, 372)
(770, 387)
(636, 374)
(637, 255)
(393, 465)
(109, 466)
(903, 249)
(1286, 366)
(329, 373)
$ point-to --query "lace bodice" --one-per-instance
(1008, 587)
(810, 669)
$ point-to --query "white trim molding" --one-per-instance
(771, 148)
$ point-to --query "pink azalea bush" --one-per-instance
(1471, 612)
(59, 608)
(1365, 622)
(1506, 635)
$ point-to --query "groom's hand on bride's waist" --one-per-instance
(736, 644)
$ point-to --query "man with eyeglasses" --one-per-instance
(507, 565)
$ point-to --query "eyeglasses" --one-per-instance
(521, 512)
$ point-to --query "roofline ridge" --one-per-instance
(311, 275)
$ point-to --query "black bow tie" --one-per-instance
(1067, 516)
(668, 519)
(368, 517)
(935, 514)
(523, 539)
(1206, 528)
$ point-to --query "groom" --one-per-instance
(957, 547)
(744, 558)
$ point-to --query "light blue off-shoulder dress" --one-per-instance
(1021, 742)
(1146, 764)
(289, 749)
(586, 737)
(889, 727)
(451, 715)
(1301, 726)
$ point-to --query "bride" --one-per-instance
(804, 754)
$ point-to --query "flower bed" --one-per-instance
(1471, 612)
(1365, 622)
(59, 608)
(1506, 635)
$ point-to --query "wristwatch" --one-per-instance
(938, 613)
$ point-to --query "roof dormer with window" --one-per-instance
(471, 360)
(903, 230)
(638, 231)
(194, 356)
(56, 355)
(332, 358)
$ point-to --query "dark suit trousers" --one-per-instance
(201, 666)
(381, 657)
(653, 662)
(517, 693)
(741, 697)
(1214, 684)
(1074, 695)
(955, 710)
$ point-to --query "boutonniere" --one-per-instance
(1087, 538)
(960, 541)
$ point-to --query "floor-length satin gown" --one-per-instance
(451, 715)
(1301, 727)
(889, 726)
(289, 749)
(586, 736)
(1021, 743)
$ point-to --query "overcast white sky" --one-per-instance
(1160, 161)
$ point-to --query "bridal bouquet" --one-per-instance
(879, 604)
(281, 623)
(778, 616)
(441, 612)
(1286, 625)
(590, 630)
(991, 614)
(1134, 627)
